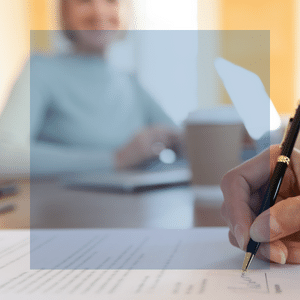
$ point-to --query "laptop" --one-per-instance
(152, 174)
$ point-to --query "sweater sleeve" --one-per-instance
(14, 127)
(20, 124)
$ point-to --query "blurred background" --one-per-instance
(261, 36)
(18, 17)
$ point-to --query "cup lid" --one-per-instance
(220, 115)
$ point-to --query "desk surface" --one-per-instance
(50, 205)
(20, 217)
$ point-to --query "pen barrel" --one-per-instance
(274, 187)
(292, 134)
(252, 246)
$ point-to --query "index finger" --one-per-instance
(240, 188)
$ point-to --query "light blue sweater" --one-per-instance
(82, 110)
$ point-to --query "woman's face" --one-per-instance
(94, 22)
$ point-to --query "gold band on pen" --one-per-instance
(284, 159)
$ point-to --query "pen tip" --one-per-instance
(247, 261)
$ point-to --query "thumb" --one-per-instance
(279, 221)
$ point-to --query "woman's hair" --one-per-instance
(125, 15)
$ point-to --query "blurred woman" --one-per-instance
(84, 114)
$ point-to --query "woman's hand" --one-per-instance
(148, 144)
(278, 228)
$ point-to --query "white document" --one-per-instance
(116, 264)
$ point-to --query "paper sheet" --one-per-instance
(134, 249)
(17, 281)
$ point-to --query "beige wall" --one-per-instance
(14, 40)
(17, 18)
(280, 17)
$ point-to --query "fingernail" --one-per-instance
(283, 257)
(275, 254)
(264, 228)
(239, 235)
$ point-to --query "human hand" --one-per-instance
(147, 144)
(278, 228)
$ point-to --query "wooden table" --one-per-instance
(20, 217)
(47, 204)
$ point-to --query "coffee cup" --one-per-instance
(214, 143)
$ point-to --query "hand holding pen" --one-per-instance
(278, 227)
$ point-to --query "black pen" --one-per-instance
(282, 163)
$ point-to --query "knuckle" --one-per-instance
(274, 148)
(227, 180)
